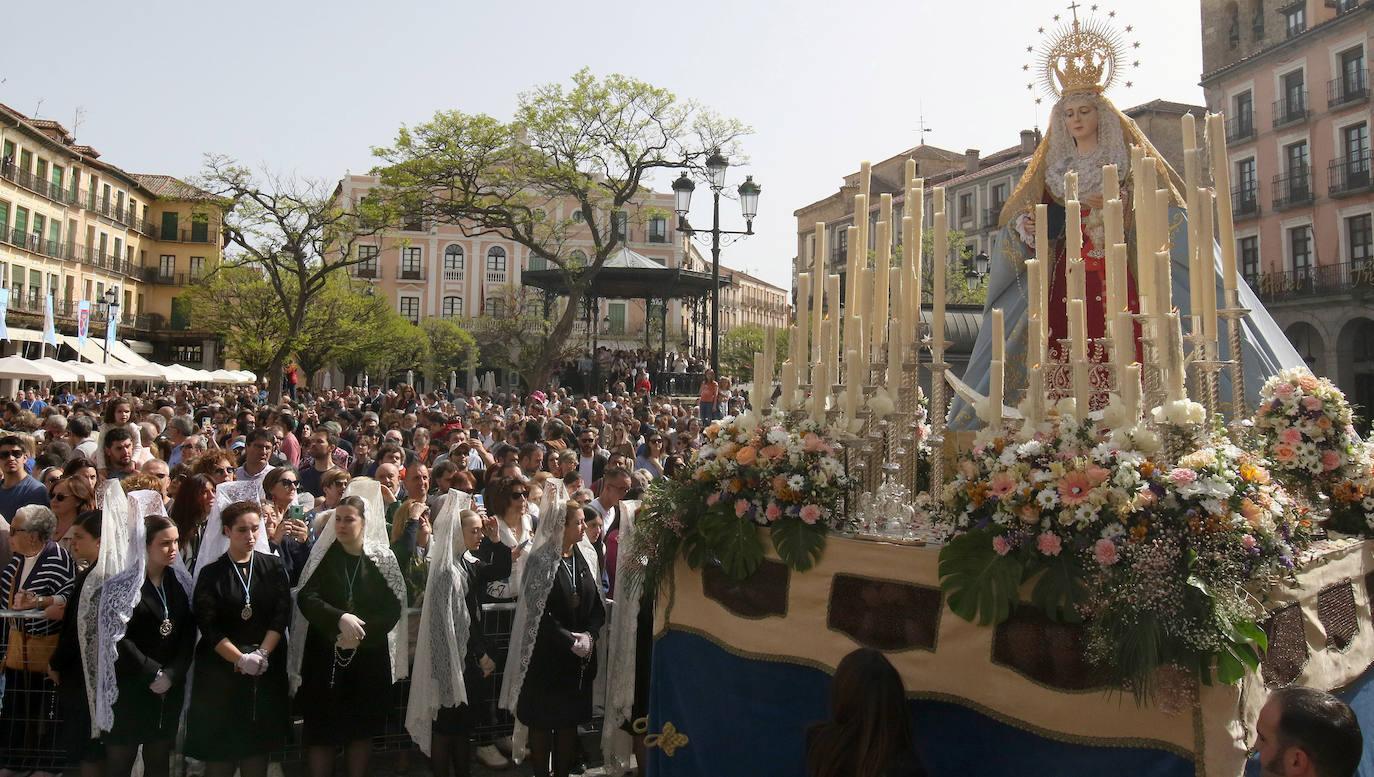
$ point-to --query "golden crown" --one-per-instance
(1081, 55)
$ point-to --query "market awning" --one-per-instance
(76, 370)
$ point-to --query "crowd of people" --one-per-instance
(194, 569)
(198, 566)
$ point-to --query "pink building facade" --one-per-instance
(1293, 81)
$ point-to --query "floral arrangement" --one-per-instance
(1304, 424)
(1152, 559)
(752, 472)
(1352, 500)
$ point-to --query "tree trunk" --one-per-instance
(274, 377)
(539, 377)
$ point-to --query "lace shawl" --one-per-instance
(437, 677)
(378, 551)
(116, 530)
(118, 598)
(215, 543)
(541, 564)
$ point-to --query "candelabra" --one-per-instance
(1232, 315)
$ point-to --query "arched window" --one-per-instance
(453, 262)
(453, 307)
(496, 259)
(496, 307)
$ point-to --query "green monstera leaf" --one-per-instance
(981, 585)
(734, 542)
(799, 545)
(1060, 588)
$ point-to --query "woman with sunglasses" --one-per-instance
(190, 510)
(507, 498)
(335, 484)
(71, 496)
(290, 535)
(49, 476)
(216, 465)
(66, 668)
(653, 457)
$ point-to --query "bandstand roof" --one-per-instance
(630, 275)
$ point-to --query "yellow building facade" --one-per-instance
(74, 226)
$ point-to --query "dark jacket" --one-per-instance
(492, 562)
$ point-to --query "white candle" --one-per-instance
(770, 354)
(756, 393)
(894, 322)
(910, 173)
(1071, 185)
(853, 325)
(1130, 392)
(941, 250)
(999, 342)
(995, 378)
(1111, 183)
(1221, 181)
(1035, 393)
(906, 313)
(807, 322)
(1073, 230)
(938, 204)
(894, 367)
(865, 178)
(1164, 281)
(1163, 199)
(820, 387)
(1079, 343)
(1116, 269)
(1033, 295)
(854, 384)
(832, 291)
(1042, 253)
(1176, 373)
(880, 279)
(1190, 176)
(827, 350)
(858, 251)
(1035, 341)
(1113, 227)
(1207, 263)
(1123, 339)
(916, 277)
(866, 305)
(789, 385)
(818, 288)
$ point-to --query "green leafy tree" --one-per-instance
(738, 346)
(451, 348)
(338, 319)
(240, 305)
(516, 337)
(390, 347)
(959, 288)
(295, 235)
(582, 151)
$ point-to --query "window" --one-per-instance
(620, 225)
(1355, 141)
(166, 265)
(1295, 21)
(1243, 115)
(410, 263)
(367, 261)
(200, 228)
(453, 307)
(1233, 25)
(190, 354)
(496, 260)
(197, 267)
(1300, 248)
(999, 196)
(839, 245)
(21, 225)
(537, 263)
(496, 307)
(453, 263)
(577, 216)
(1352, 79)
(578, 258)
(412, 222)
(4, 220)
(615, 311)
(1249, 259)
(410, 309)
(966, 208)
(1359, 231)
(658, 230)
(1295, 157)
(169, 226)
(1294, 104)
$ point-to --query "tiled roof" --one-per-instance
(1166, 106)
(1006, 164)
(167, 187)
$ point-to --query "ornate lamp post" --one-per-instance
(111, 313)
(716, 166)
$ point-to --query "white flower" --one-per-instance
(1085, 514)
(1047, 498)
(881, 404)
(1008, 457)
(745, 424)
(1030, 448)
(796, 482)
(1066, 408)
(778, 436)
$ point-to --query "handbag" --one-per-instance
(27, 652)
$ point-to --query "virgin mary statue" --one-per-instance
(1086, 131)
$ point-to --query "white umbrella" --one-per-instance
(224, 376)
(180, 373)
(77, 370)
(246, 376)
(19, 368)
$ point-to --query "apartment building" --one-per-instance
(75, 227)
(1293, 79)
(435, 270)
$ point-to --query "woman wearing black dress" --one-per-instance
(239, 704)
(560, 591)
(154, 651)
(350, 598)
(66, 667)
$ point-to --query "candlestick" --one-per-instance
(941, 249)
(1207, 263)
(1221, 181)
(999, 342)
(789, 386)
(820, 387)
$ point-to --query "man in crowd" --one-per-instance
(179, 431)
(18, 488)
(80, 438)
(257, 452)
(1304, 732)
(322, 446)
(591, 459)
(119, 453)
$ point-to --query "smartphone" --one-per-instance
(477, 498)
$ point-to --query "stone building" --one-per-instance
(1292, 77)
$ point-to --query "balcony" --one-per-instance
(193, 235)
(1323, 280)
(496, 276)
(1342, 90)
(1245, 202)
(1290, 109)
(453, 275)
(105, 261)
(1349, 175)
(991, 216)
(410, 274)
(1293, 190)
(158, 275)
(365, 272)
(11, 172)
(1240, 129)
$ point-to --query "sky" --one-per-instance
(309, 87)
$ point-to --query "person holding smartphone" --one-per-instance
(290, 533)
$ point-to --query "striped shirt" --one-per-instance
(53, 574)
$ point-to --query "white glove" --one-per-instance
(582, 645)
(251, 664)
(262, 654)
(160, 684)
(351, 627)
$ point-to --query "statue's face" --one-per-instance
(1080, 118)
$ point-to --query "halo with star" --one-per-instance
(1079, 38)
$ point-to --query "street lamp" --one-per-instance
(111, 314)
(976, 267)
(716, 167)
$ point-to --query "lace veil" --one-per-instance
(116, 530)
(215, 544)
(541, 565)
(621, 651)
(378, 551)
(437, 678)
(119, 596)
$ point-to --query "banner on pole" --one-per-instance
(49, 331)
(4, 313)
(83, 324)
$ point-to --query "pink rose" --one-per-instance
(773, 512)
(810, 514)
(1049, 543)
(1312, 403)
(1330, 460)
(812, 443)
(1285, 391)
(1249, 542)
(1000, 545)
(1182, 476)
(712, 499)
(1291, 436)
(741, 507)
(1001, 484)
(1104, 550)
(1284, 453)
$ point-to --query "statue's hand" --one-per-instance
(1024, 225)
